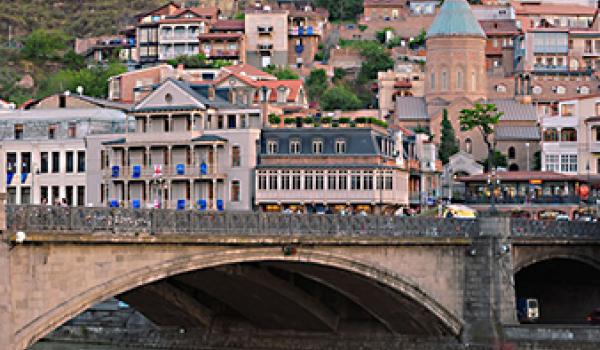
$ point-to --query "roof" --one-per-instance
(199, 11)
(510, 133)
(118, 141)
(229, 24)
(408, 107)
(248, 70)
(146, 13)
(494, 26)
(514, 110)
(220, 36)
(522, 176)
(384, 3)
(104, 103)
(553, 9)
(293, 85)
(209, 138)
(98, 114)
(455, 19)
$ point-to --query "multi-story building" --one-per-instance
(225, 40)
(266, 37)
(543, 15)
(45, 153)
(499, 53)
(571, 137)
(307, 27)
(194, 147)
(331, 170)
(407, 79)
(6, 106)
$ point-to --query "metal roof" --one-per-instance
(514, 110)
(208, 138)
(409, 107)
(455, 19)
(510, 133)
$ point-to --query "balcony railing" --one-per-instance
(265, 46)
(187, 36)
(524, 200)
(264, 29)
(301, 30)
(224, 53)
(163, 221)
(550, 49)
(134, 172)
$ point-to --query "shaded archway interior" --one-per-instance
(567, 289)
(275, 295)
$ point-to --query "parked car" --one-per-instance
(562, 217)
(594, 317)
(459, 212)
(528, 310)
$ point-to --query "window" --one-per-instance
(81, 196)
(11, 162)
(236, 159)
(80, 161)
(568, 135)
(468, 146)
(379, 182)
(368, 181)
(273, 181)
(459, 79)
(308, 181)
(567, 110)
(44, 162)
(511, 153)
(262, 182)
(296, 181)
(432, 80)
(55, 162)
(44, 194)
(295, 146)
(444, 80)
(25, 162)
(551, 135)
(343, 181)
(568, 163)
(598, 109)
(319, 181)
(389, 183)
(331, 182)
(72, 130)
(317, 146)
(272, 147)
(69, 168)
(69, 195)
(231, 121)
(235, 191)
(552, 162)
(62, 101)
(52, 131)
(11, 195)
(285, 180)
(18, 131)
(340, 146)
(55, 194)
(25, 195)
(355, 182)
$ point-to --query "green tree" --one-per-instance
(338, 97)
(448, 141)
(316, 84)
(338, 74)
(93, 80)
(484, 118)
(44, 44)
(376, 60)
(419, 40)
(537, 161)
(497, 160)
(72, 60)
(282, 73)
(194, 61)
(342, 9)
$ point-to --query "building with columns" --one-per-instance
(194, 148)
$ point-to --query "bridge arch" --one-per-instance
(538, 257)
(68, 309)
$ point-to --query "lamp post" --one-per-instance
(527, 149)
(492, 186)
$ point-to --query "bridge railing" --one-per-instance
(31, 218)
(522, 227)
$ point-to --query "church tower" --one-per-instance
(455, 65)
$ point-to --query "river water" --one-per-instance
(70, 346)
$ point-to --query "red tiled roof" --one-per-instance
(292, 85)
(553, 9)
(184, 20)
(229, 24)
(522, 176)
(199, 11)
(220, 35)
(144, 14)
(384, 3)
(508, 26)
(248, 70)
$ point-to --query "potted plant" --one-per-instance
(289, 122)
(326, 121)
(274, 119)
(307, 122)
(335, 124)
(360, 121)
(344, 121)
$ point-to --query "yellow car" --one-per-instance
(459, 212)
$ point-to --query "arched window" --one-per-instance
(568, 135)
(236, 157)
(444, 80)
(550, 135)
(468, 146)
(432, 80)
(459, 80)
(511, 153)
(473, 81)
(513, 167)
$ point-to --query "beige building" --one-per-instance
(267, 37)
(407, 79)
(194, 147)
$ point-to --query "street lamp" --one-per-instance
(491, 179)
(527, 148)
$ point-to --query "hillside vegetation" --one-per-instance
(77, 18)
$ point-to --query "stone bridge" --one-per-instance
(276, 281)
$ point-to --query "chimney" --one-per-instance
(180, 70)
(211, 93)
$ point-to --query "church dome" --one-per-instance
(455, 19)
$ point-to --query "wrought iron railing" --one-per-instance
(30, 218)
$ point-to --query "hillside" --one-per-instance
(77, 18)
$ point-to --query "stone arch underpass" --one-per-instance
(309, 290)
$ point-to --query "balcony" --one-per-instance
(550, 49)
(183, 171)
(331, 196)
(265, 47)
(179, 37)
(304, 31)
(550, 68)
(558, 200)
(223, 53)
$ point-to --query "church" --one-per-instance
(456, 78)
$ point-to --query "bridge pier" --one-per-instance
(6, 321)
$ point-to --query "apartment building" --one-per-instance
(45, 153)
(407, 79)
(307, 28)
(571, 137)
(194, 147)
(266, 37)
(531, 15)
(225, 40)
(330, 170)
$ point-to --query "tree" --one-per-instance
(342, 9)
(316, 84)
(537, 161)
(72, 60)
(448, 141)
(497, 160)
(282, 73)
(338, 97)
(44, 44)
(376, 60)
(419, 40)
(338, 74)
(484, 118)
(93, 80)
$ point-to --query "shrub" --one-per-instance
(335, 125)
(326, 120)
(273, 119)
(344, 120)
(361, 120)
(308, 120)
(289, 121)
(362, 27)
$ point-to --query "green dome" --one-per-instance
(455, 19)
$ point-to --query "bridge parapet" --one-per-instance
(41, 219)
(520, 227)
